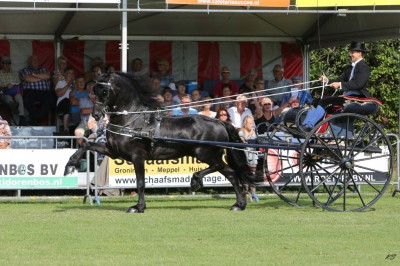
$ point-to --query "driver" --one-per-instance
(352, 82)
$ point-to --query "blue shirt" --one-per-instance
(178, 112)
(40, 85)
(303, 96)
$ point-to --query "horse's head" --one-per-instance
(105, 96)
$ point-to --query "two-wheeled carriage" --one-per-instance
(344, 163)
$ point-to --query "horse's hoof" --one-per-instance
(69, 169)
(133, 209)
(195, 187)
(236, 208)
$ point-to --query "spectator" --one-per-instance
(225, 73)
(258, 94)
(5, 131)
(137, 71)
(195, 97)
(11, 88)
(36, 82)
(163, 73)
(206, 109)
(181, 91)
(98, 61)
(223, 115)
(248, 135)
(63, 89)
(185, 109)
(58, 73)
(266, 114)
(225, 102)
(168, 101)
(95, 73)
(250, 84)
(85, 109)
(298, 96)
(277, 82)
(239, 112)
(78, 93)
(110, 69)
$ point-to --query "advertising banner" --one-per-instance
(270, 3)
(163, 173)
(35, 169)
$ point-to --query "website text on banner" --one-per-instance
(163, 173)
(255, 3)
(35, 169)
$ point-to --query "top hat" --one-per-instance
(357, 46)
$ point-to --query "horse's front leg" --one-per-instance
(73, 161)
(140, 182)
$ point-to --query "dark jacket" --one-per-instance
(359, 80)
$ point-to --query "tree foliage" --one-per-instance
(383, 58)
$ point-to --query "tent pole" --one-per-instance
(124, 38)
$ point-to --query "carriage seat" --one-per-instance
(359, 105)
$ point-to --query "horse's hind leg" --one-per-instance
(196, 182)
(231, 175)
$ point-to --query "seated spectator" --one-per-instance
(181, 91)
(258, 94)
(168, 101)
(36, 82)
(248, 135)
(278, 82)
(184, 110)
(76, 95)
(94, 74)
(195, 97)
(58, 73)
(223, 115)
(225, 102)
(206, 109)
(86, 109)
(249, 85)
(5, 131)
(110, 69)
(11, 91)
(137, 70)
(266, 114)
(163, 73)
(63, 89)
(225, 73)
(239, 112)
(298, 96)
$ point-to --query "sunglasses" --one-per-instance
(267, 103)
(225, 72)
(223, 115)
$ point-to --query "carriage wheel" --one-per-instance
(349, 166)
(281, 170)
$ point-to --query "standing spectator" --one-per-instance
(76, 95)
(63, 89)
(36, 82)
(239, 112)
(163, 73)
(250, 84)
(225, 74)
(5, 131)
(206, 109)
(58, 73)
(137, 69)
(225, 102)
(277, 82)
(184, 110)
(223, 115)
(11, 88)
(248, 135)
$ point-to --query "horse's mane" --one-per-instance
(139, 89)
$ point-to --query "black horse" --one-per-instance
(136, 129)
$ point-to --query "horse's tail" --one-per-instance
(237, 160)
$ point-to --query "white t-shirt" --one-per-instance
(61, 84)
(237, 119)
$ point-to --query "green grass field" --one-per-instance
(199, 230)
